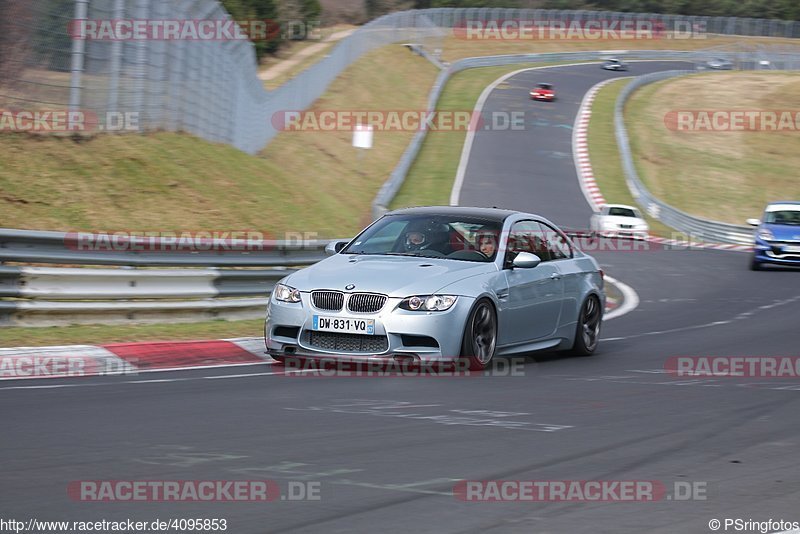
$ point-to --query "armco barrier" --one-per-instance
(698, 228)
(204, 284)
(32, 246)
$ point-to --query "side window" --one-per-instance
(556, 243)
(526, 236)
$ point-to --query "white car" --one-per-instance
(619, 220)
(614, 64)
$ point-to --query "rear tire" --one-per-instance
(480, 336)
(587, 331)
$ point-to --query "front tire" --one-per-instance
(587, 331)
(755, 265)
(480, 336)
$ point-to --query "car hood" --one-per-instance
(396, 276)
(784, 232)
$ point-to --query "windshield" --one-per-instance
(451, 237)
(791, 217)
(622, 212)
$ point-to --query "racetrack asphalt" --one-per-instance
(387, 451)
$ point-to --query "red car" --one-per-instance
(543, 91)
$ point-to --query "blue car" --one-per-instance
(777, 238)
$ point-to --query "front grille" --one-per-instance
(348, 342)
(328, 300)
(626, 226)
(365, 302)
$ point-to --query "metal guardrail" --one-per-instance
(32, 246)
(698, 228)
(141, 290)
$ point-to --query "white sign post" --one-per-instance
(362, 138)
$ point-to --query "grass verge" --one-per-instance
(721, 175)
(98, 334)
(604, 154)
(302, 181)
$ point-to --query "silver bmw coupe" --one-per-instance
(441, 284)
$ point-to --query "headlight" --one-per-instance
(765, 234)
(429, 303)
(286, 293)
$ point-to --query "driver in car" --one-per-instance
(427, 236)
(487, 243)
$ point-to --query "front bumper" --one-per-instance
(767, 252)
(624, 233)
(546, 98)
(399, 334)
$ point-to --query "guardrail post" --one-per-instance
(78, 57)
(116, 61)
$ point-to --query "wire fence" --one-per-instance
(210, 87)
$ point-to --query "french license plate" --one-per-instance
(792, 250)
(347, 325)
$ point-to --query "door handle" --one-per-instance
(555, 276)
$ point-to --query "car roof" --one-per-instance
(495, 214)
(778, 206)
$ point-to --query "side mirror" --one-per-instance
(526, 260)
(753, 222)
(334, 247)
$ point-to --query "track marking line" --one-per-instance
(743, 315)
(455, 193)
(629, 303)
